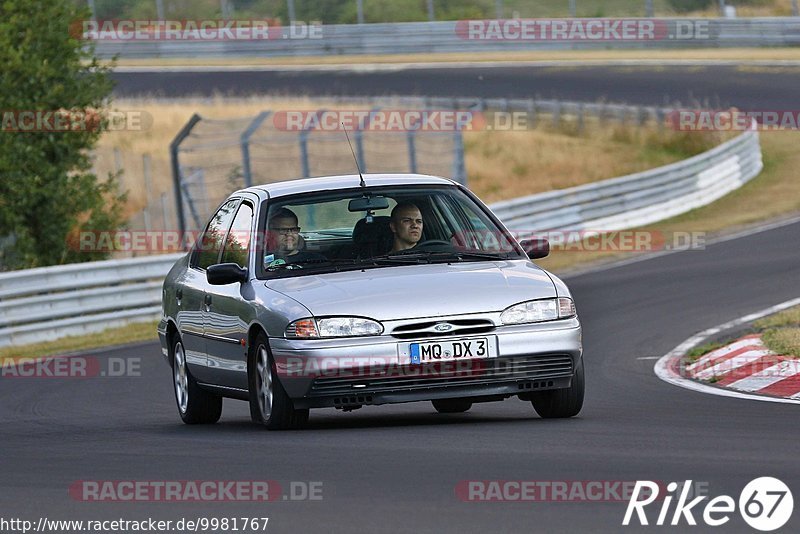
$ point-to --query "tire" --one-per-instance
(452, 405)
(196, 406)
(559, 403)
(269, 404)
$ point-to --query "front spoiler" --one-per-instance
(367, 398)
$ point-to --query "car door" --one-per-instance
(229, 308)
(195, 289)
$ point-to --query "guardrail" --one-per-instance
(449, 36)
(640, 198)
(48, 303)
(52, 302)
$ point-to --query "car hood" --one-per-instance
(403, 292)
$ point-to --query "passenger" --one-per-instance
(286, 244)
(406, 225)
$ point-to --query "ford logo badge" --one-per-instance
(443, 327)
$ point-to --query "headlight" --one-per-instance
(333, 327)
(536, 311)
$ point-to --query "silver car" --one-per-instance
(348, 291)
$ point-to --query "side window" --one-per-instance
(210, 244)
(237, 243)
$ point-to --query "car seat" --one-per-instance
(372, 238)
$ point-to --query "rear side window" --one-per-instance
(237, 244)
(210, 244)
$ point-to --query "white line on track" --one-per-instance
(664, 367)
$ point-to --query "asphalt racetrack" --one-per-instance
(751, 88)
(395, 468)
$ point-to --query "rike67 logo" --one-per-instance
(765, 504)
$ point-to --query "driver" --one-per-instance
(287, 245)
(406, 225)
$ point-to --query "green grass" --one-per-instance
(790, 317)
(113, 336)
(784, 341)
(781, 332)
(694, 354)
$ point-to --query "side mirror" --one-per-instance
(225, 273)
(536, 247)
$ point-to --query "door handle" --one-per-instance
(179, 295)
(207, 301)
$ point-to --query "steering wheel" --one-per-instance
(433, 242)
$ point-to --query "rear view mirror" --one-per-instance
(368, 204)
(536, 247)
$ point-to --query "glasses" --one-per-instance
(286, 230)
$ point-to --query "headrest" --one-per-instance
(377, 230)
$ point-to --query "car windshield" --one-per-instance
(378, 227)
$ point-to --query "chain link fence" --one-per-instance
(212, 158)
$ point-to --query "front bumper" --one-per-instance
(361, 371)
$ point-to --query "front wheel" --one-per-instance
(269, 404)
(558, 403)
(195, 405)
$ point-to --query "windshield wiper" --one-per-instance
(419, 256)
(473, 255)
(393, 259)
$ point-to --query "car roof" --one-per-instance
(348, 181)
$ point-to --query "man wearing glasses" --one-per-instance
(406, 225)
(285, 243)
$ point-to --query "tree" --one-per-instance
(47, 189)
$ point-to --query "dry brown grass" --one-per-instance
(723, 54)
(168, 117)
(790, 317)
(784, 341)
(133, 333)
(504, 165)
(501, 165)
(775, 192)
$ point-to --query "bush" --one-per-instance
(48, 191)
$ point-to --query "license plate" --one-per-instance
(476, 348)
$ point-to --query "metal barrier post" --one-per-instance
(245, 141)
(412, 151)
(459, 170)
(174, 147)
